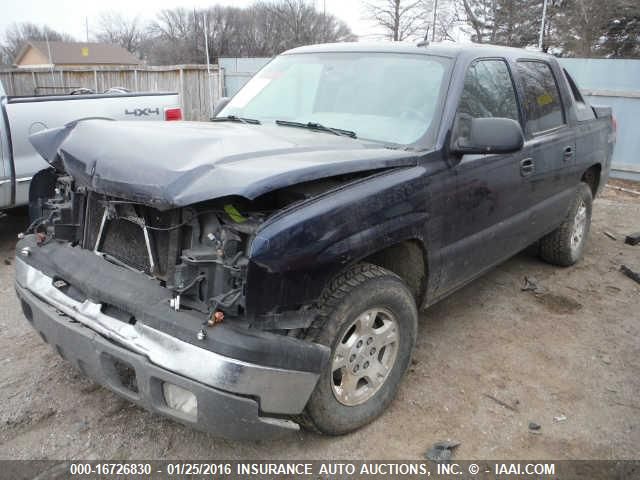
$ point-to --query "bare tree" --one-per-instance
(446, 19)
(505, 22)
(173, 38)
(584, 28)
(594, 28)
(299, 23)
(623, 31)
(17, 34)
(481, 17)
(114, 28)
(400, 19)
(264, 29)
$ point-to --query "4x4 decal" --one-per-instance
(142, 112)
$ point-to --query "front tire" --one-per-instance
(370, 324)
(565, 245)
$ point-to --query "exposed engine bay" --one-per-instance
(199, 252)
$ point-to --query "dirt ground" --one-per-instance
(489, 359)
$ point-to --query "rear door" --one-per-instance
(594, 142)
(547, 178)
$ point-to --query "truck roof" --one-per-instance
(445, 49)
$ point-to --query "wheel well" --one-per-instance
(42, 184)
(592, 177)
(407, 260)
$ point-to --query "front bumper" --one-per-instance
(232, 395)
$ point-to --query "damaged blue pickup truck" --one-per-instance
(265, 270)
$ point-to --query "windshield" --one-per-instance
(385, 97)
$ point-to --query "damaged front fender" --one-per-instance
(296, 253)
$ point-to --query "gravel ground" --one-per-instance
(489, 359)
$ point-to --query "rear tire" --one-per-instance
(565, 245)
(370, 322)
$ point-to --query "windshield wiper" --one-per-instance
(319, 127)
(233, 118)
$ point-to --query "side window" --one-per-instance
(577, 96)
(541, 96)
(488, 91)
(583, 110)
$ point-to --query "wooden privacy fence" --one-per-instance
(197, 93)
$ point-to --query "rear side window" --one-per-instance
(577, 96)
(488, 91)
(583, 110)
(541, 96)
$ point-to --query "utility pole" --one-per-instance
(195, 32)
(324, 21)
(206, 49)
(433, 27)
(46, 37)
(544, 14)
(86, 26)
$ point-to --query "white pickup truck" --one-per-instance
(23, 116)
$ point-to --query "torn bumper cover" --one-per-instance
(231, 396)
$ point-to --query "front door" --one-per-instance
(488, 199)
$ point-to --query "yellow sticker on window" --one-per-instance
(545, 99)
(85, 51)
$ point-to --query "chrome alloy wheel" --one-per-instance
(364, 356)
(579, 227)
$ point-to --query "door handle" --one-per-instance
(568, 153)
(527, 167)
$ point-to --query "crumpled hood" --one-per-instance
(173, 164)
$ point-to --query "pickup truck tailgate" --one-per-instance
(28, 115)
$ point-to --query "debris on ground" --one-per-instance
(622, 189)
(81, 426)
(610, 235)
(441, 451)
(531, 285)
(604, 358)
(560, 419)
(628, 405)
(534, 426)
(7, 261)
(501, 403)
(635, 276)
(414, 362)
(632, 239)
(613, 289)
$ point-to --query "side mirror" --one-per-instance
(488, 135)
(220, 105)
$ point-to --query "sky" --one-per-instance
(70, 15)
